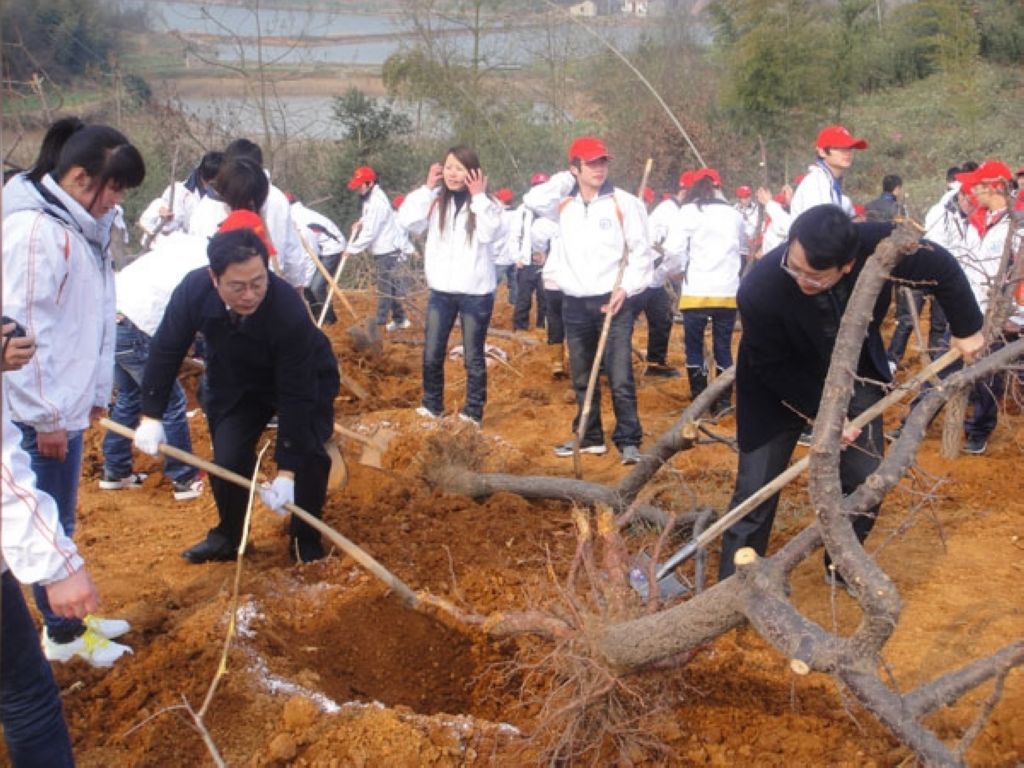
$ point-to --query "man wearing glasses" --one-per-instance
(264, 356)
(791, 304)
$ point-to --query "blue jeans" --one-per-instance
(389, 288)
(131, 351)
(583, 321)
(507, 272)
(475, 313)
(723, 321)
(60, 480)
(30, 708)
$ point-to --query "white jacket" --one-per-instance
(144, 287)
(59, 284)
(184, 201)
(983, 255)
(818, 188)
(946, 225)
(33, 544)
(708, 243)
(328, 241)
(594, 236)
(776, 226)
(378, 233)
(505, 248)
(454, 263)
(296, 267)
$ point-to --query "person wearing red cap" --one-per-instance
(462, 224)
(599, 226)
(823, 183)
(504, 249)
(266, 357)
(707, 242)
(377, 233)
(990, 186)
(748, 209)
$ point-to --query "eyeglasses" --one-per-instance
(803, 277)
(237, 288)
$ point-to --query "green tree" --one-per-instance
(368, 124)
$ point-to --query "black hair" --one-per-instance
(968, 166)
(210, 165)
(56, 137)
(244, 148)
(951, 173)
(242, 184)
(105, 154)
(234, 247)
(828, 236)
(702, 191)
(891, 182)
(471, 162)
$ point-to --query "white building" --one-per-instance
(587, 8)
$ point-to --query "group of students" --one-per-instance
(231, 258)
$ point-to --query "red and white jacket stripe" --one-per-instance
(33, 543)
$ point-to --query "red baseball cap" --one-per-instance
(990, 170)
(588, 148)
(648, 195)
(837, 137)
(708, 173)
(504, 194)
(539, 178)
(686, 179)
(361, 175)
(243, 219)
(744, 191)
(396, 201)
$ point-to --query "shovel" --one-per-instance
(668, 584)
(346, 545)
(374, 445)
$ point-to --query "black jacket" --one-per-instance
(276, 355)
(788, 336)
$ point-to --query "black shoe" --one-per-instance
(894, 434)
(215, 547)
(975, 445)
(305, 550)
(661, 370)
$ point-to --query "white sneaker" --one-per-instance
(111, 483)
(186, 490)
(469, 419)
(394, 326)
(426, 413)
(108, 628)
(90, 646)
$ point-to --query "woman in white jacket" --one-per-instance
(707, 242)
(462, 223)
(59, 283)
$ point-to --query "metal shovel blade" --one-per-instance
(669, 587)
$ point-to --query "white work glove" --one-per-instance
(149, 435)
(278, 493)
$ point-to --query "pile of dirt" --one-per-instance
(329, 669)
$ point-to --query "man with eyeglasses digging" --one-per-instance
(264, 356)
(791, 304)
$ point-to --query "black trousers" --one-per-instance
(553, 303)
(766, 462)
(656, 306)
(235, 434)
(528, 284)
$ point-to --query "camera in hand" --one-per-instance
(19, 330)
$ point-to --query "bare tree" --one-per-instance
(610, 640)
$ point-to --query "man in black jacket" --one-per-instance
(264, 356)
(791, 304)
